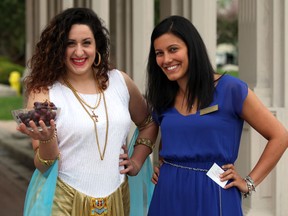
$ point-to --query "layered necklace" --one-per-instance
(92, 108)
(93, 116)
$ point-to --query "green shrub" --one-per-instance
(6, 67)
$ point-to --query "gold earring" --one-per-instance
(99, 59)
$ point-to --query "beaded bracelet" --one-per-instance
(250, 185)
(144, 141)
(46, 162)
(49, 140)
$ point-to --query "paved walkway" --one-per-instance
(13, 141)
(16, 143)
(5, 90)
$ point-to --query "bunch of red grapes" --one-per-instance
(44, 111)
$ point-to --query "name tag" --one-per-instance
(209, 109)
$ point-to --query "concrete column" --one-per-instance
(278, 54)
(131, 26)
(204, 17)
(202, 14)
(101, 7)
(43, 14)
(285, 47)
(29, 29)
(67, 4)
(280, 96)
(261, 64)
(36, 20)
(117, 29)
(143, 23)
(281, 175)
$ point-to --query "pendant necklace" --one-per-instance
(94, 117)
(92, 108)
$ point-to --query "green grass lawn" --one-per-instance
(232, 73)
(9, 103)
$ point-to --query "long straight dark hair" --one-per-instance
(160, 91)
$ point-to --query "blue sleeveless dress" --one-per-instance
(190, 146)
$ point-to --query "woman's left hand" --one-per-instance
(235, 179)
(130, 167)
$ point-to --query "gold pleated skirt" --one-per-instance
(70, 202)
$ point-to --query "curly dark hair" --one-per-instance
(160, 91)
(48, 61)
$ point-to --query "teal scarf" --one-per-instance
(40, 193)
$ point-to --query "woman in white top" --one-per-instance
(70, 67)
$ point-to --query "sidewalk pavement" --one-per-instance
(17, 144)
(6, 90)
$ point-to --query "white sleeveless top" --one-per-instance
(80, 163)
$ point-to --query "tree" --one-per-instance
(227, 22)
(12, 28)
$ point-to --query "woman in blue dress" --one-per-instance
(201, 115)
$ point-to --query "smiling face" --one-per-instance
(172, 56)
(81, 49)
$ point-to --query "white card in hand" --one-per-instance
(214, 173)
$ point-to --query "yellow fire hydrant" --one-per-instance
(14, 80)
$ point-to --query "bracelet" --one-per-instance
(250, 185)
(46, 162)
(49, 140)
(146, 122)
(36, 149)
(144, 141)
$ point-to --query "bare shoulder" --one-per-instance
(129, 82)
(137, 105)
(126, 76)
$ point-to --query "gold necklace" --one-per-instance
(91, 107)
(93, 117)
(83, 102)
(80, 98)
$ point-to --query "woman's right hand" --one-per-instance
(155, 175)
(36, 134)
